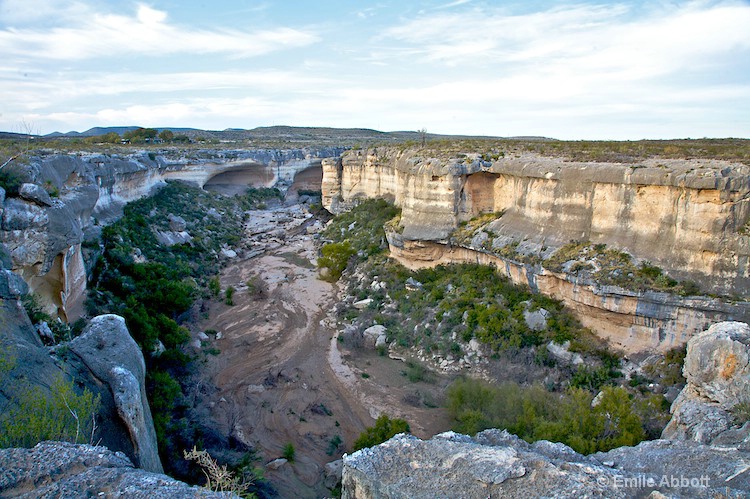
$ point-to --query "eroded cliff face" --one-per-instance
(686, 216)
(44, 233)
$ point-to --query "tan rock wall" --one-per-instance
(684, 216)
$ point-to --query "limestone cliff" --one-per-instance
(497, 464)
(104, 359)
(44, 233)
(686, 216)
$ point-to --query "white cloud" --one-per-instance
(581, 38)
(147, 33)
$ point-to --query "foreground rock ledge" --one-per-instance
(58, 469)
(705, 452)
(498, 464)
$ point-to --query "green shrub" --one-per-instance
(11, 179)
(228, 295)
(384, 429)
(416, 372)
(214, 286)
(741, 413)
(668, 370)
(60, 330)
(334, 444)
(288, 452)
(533, 414)
(32, 417)
(590, 378)
(335, 257)
(357, 232)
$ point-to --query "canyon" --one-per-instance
(44, 234)
(282, 373)
(686, 216)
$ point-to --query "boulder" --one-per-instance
(333, 472)
(561, 353)
(413, 285)
(717, 370)
(536, 320)
(12, 286)
(111, 354)
(60, 469)
(362, 304)
(171, 238)
(276, 464)
(44, 331)
(36, 194)
(176, 223)
(374, 334)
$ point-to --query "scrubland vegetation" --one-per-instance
(596, 262)
(439, 311)
(28, 416)
(730, 149)
(151, 285)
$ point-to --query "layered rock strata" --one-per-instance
(44, 233)
(695, 458)
(686, 216)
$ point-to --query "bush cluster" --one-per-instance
(385, 427)
(609, 266)
(617, 418)
(30, 416)
(355, 236)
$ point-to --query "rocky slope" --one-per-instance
(43, 233)
(104, 360)
(686, 216)
(704, 452)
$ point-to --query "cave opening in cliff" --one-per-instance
(477, 195)
(238, 179)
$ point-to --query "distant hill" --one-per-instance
(282, 133)
(15, 136)
(100, 130)
(278, 135)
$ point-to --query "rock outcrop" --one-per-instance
(691, 460)
(113, 356)
(105, 360)
(717, 370)
(686, 216)
(58, 469)
(498, 464)
(71, 195)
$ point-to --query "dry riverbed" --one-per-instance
(283, 377)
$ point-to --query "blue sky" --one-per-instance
(564, 69)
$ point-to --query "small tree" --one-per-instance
(335, 257)
(166, 135)
(228, 295)
(384, 429)
(214, 286)
(288, 452)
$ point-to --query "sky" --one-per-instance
(623, 70)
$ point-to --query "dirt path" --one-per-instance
(280, 374)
